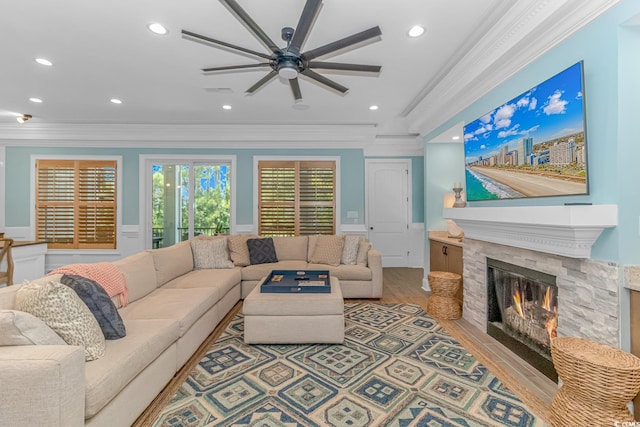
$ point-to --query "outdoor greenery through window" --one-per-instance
(296, 197)
(76, 203)
(189, 199)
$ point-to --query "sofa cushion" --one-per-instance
(183, 305)
(223, 280)
(172, 261)
(350, 250)
(210, 253)
(140, 273)
(345, 272)
(328, 250)
(258, 271)
(125, 359)
(22, 328)
(63, 311)
(99, 303)
(291, 248)
(262, 251)
(238, 249)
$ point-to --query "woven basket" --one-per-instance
(444, 283)
(598, 382)
(442, 302)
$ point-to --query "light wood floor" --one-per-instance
(404, 285)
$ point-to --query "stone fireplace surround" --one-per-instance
(555, 240)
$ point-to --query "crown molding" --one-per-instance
(211, 136)
(528, 30)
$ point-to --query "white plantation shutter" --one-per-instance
(76, 203)
(296, 198)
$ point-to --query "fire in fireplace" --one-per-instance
(522, 312)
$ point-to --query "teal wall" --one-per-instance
(611, 67)
(351, 171)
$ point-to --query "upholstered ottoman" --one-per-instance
(294, 318)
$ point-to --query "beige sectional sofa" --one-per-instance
(172, 309)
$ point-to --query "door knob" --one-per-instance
(370, 228)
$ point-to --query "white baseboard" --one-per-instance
(425, 285)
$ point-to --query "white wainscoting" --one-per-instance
(28, 262)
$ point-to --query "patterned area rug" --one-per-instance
(397, 367)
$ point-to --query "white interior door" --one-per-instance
(387, 215)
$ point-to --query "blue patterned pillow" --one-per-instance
(99, 303)
(261, 251)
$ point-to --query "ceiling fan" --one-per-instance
(289, 62)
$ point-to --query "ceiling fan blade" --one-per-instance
(324, 81)
(307, 19)
(356, 40)
(295, 89)
(209, 41)
(235, 67)
(263, 81)
(251, 25)
(338, 66)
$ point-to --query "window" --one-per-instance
(189, 198)
(296, 197)
(76, 203)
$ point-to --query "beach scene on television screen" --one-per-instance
(531, 146)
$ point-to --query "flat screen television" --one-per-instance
(532, 146)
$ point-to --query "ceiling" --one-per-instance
(103, 50)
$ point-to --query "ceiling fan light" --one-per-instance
(288, 73)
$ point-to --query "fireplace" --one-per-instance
(522, 312)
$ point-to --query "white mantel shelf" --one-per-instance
(568, 231)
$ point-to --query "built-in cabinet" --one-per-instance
(445, 254)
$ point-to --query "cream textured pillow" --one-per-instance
(21, 328)
(238, 249)
(363, 252)
(328, 250)
(210, 253)
(63, 311)
(350, 250)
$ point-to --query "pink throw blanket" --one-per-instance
(104, 274)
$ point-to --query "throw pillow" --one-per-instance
(63, 311)
(21, 328)
(350, 250)
(261, 251)
(328, 250)
(363, 252)
(99, 303)
(210, 253)
(238, 249)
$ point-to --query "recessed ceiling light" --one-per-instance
(455, 138)
(157, 28)
(43, 61)
(36, 100)
(416, 31)
(116, 101)
(373, 107)
(227, 107)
